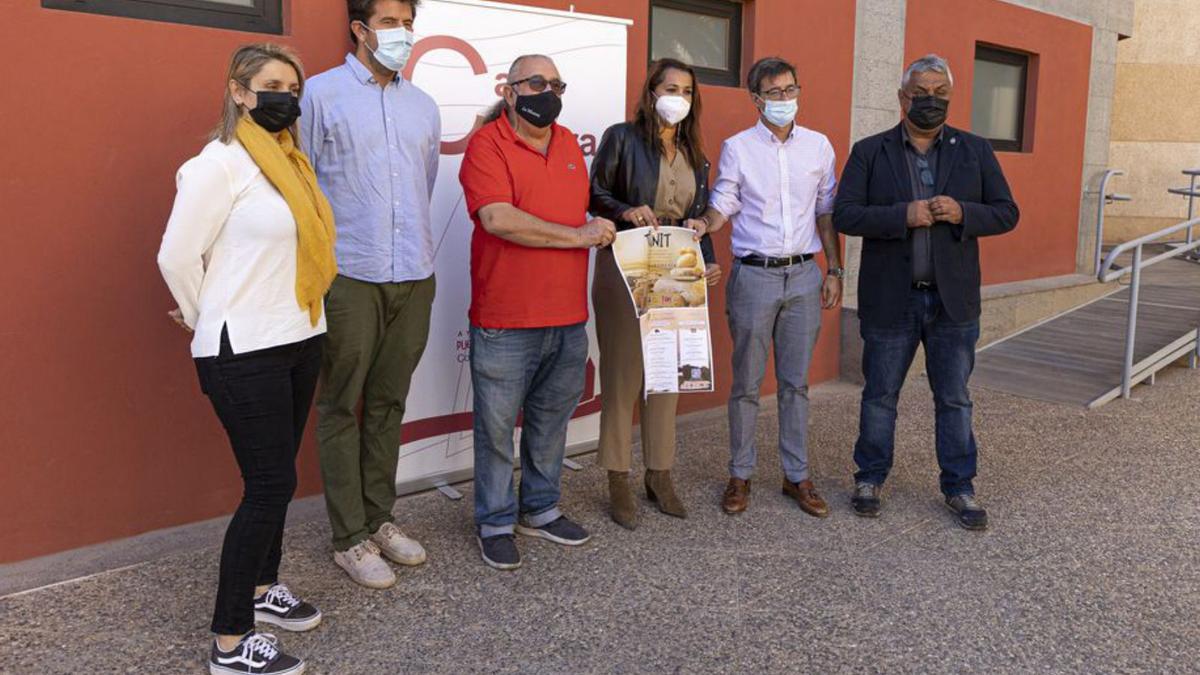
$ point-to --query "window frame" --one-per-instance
(731, 10)
(1009, 57)
(265, 16)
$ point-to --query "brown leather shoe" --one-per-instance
(805, 494)
(736, 497)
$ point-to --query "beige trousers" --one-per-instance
(620, 340)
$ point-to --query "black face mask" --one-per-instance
(928, 112)
(276, 110)
(540, 110)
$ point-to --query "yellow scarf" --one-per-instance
(290, 172)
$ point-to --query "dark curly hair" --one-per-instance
(361, 10)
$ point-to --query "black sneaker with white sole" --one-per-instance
(500, 551)
(561, 531)
(255, 654)
(279, 607)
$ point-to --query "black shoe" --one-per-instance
(278, 606)
(256, 654)
(500, 551)
(866, 500)
(561, 531)
(967, 511)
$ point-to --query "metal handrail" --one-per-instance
(1105, 199)
(1107, 273)
(1191, 193)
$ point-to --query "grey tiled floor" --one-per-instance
(1090, 566)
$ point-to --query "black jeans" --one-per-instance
(262, 398)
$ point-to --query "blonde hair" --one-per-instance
(247, 62)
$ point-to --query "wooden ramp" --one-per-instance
(1077, 357)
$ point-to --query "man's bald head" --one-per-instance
(523, 68)
(529, 65)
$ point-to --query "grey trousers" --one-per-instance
(772, 306)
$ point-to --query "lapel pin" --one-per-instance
(953, 141)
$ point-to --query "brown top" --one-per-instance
(676, 187)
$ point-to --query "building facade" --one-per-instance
(104, 431)
(1155, 122)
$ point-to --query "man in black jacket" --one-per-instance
(920, 195)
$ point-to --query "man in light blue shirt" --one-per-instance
(373, 139)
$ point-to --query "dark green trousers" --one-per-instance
(377, 333)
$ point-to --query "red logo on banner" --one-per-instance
(474, 60)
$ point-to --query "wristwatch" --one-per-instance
(839, 272)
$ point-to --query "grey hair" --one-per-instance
(520, 60)
(500, 107)
(930, 63)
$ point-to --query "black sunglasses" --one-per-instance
(538, 84)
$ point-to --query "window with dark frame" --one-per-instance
(255, 16)
(705, 34)
(998, 97)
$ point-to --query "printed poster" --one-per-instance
(664, 271)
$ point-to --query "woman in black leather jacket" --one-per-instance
(651, 171)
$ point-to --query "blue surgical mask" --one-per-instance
(780, 113)
(395, 46)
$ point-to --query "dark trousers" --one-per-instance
(377, 333)
(888, 352)
(262, 398)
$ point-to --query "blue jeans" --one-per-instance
(537, 373)
(949, 359)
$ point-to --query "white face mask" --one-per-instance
(395, 46)
(673, 109)
(781, 113)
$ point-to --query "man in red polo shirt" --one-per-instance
(526, 188)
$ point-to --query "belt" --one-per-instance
(760, 261)
(924, 285)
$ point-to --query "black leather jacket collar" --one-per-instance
(625, 174)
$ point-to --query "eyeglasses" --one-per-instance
(925, 173)
(538, 84)
(781, 94)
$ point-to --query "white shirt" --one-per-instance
(229, 255)
(773, 191)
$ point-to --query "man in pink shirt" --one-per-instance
(776, 185)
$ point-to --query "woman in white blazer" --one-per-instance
(247, 248)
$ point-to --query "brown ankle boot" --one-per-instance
(660, 490)
(624, 507)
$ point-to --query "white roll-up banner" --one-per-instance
(461, 57)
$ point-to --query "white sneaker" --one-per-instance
(364, 565)
(397, 547)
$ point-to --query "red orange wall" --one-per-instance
(1046, 181)
(103, 431)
